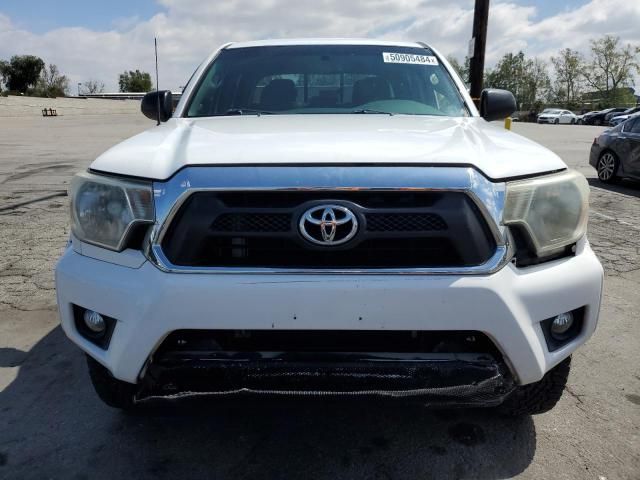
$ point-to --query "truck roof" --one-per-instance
(322, 41)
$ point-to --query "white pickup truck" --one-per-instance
(329, 217)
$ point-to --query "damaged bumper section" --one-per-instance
(222, 322)
(438, 368)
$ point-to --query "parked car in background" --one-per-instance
(614, 112)
(616, 152)
(618, 118)
(556, 116)
(598, 118)
(615, 121)
(580, 118)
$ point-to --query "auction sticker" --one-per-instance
(389, 57)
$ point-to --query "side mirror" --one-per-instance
(496, 104)
(150, 109)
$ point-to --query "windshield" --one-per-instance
(552, 111)
(326, 79)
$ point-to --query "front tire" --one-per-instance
(607, 167)
(113, 392)
(556, 121)
(538, 397)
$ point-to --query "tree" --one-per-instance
(461, 69)
(611, 68)
(51, 83)
(527, 79)
(135, 81)
(21, 72)
(567, 86)
(537, 84)
(92, 86)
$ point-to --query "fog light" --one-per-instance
(561, 324)
(94, 321)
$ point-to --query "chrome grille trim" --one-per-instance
(488, 196)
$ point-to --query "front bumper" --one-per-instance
(594, 155)
(507, 306)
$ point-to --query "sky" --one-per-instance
(99, 40)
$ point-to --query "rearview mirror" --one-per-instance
(496, 104)
(152, 110)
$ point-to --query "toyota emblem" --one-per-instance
(328, 225)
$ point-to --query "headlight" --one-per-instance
(103, 209)
(551, 209)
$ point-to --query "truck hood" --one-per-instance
(327, 139)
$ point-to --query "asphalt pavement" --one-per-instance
(53, 426)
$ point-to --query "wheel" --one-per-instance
(607, 167)
(539, 397)
(556, 121)
(573, 121)
(113, 392)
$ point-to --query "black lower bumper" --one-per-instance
(437, 379)
(453, 368)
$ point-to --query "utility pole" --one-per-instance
(477, 47)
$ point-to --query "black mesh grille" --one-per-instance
(395, 229)
(404, 222)
(208, 343)
(252, 222)
(445, 367)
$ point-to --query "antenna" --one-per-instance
(155, 41)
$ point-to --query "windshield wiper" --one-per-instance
(247, 111)
(368, 110)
